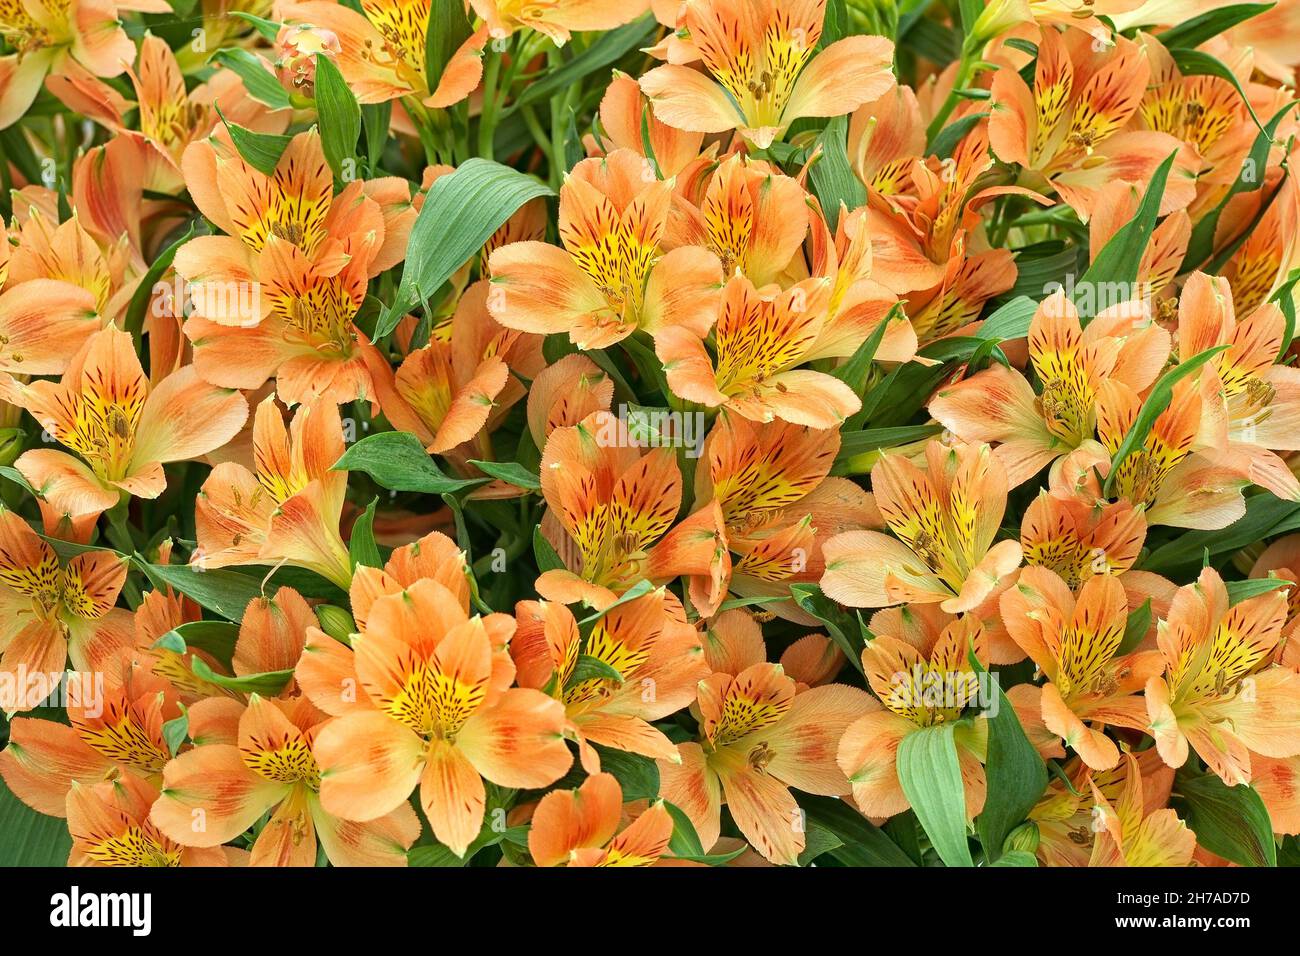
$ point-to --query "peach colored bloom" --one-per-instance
(764, 70)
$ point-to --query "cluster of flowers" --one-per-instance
(614, 432)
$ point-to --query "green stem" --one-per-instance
(965, 68)
(535, 128)
(487, 121)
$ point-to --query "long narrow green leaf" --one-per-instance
(930, 774)
(459, 215)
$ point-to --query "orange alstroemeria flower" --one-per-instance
(1068, 131)
(74, 42)
(455, 391)
(1177, 483)
(925, 228)
(43, 322)
(110, 735)
(764, 70)
(327, 668)
(564, 394)
(622, 109)
(382, 50)
(442, 716)
(1219, 694)
(779, 504)
(919, 686)
(122, 428)
(1068, 816)
(296, 204)
(658, 659)
(277, 296)
(944, 518)
(1266, 223)
(1256, 411)
(1131, 836)
(69, 253)
(1203, 111)
(55, 612)
(760, 737)
(612, 276)
(733, 641)
(762, 336)
(263, 763)
(110, 826)
(172, 117)
(288, 509)
(1076, 535)
(752, 217)
(581, 828)
(1031, 428)
(612, 518)
(1075, 642)
(858, 302)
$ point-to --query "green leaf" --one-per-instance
(833, 178)
(865, 844)
(1156, 402)
(142, 298)
(1009, 321)
(1118, 261)
(447, 28)
(544, 554)
(260, 82)
(28, 838)
(176, 730)
(268, 684)
(684, 841)
(592, 668)
(458, 217)
(438, 855)
(634, 593)
(510, 472)
(1229, 821)
(1136, 627)
(954, 133)
(818, 841)
(215, 637)
(1239, 591)
(1192, 33)
(606, 48)
(856, 372)
(842, 627)
(876, 439)
(398, 461)
(376, 118)
(269, 29)
(1202, 244)
(637, 775)
(340, 119)
(262, 151)
(224, 592)
(1016, 858)
(1265, 516)
(684, 844)
(361, 544)
(1016, 773)
(930, 774)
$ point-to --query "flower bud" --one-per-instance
(336, 622)
(1024, 837)
(296, 47)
